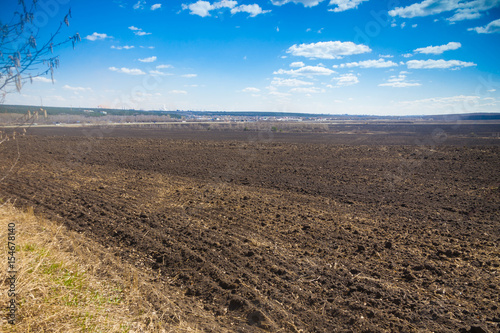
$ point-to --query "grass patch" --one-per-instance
(63, 286)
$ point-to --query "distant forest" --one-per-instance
(179, 114)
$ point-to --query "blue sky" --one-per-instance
(333, 56)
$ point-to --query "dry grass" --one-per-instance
(68, 283)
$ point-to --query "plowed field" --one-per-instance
(286, 235)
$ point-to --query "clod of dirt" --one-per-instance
(257, 318)
(408, 276)
(236, 303)
(473, 329)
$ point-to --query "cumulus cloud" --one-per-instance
(150, 59)
(164, 66)
(200, 8)
(399, 82)
(380, 63)
(431, 64)
(124, 70)
(203, 8)
(327, 50)
(346, 80)
(96, 36)
(158, 73)
(138, 31)
(42, 79)
(490, 28)
(125, 47)
(463, 9)
(308, 90)
(279, 94)
(140, 4)
(189, 75)
(178, 92)
(142, 33)
(297, 64)
(225, 4)
(306, 71)
(277, 81)
(343, 5)
(76, 89)
(156, 6)
(439, 49)
(253, 10)
(306, 3)
(251, 89)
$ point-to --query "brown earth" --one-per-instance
(278, 232)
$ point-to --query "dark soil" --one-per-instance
(284, 233)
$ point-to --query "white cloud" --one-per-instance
(425, 8)
(225, 4)
(439, 49)
(142, 33)
(203, 8)
(343, 5)
(430, 64)
(42, 79)
(297, 64)
(328, 50)
(158, 73)
(491, 90)
(346, 80)
(189, 75)
(125, 47)
(140, 4)
(156, 6)
(399, 82)
(150, 59)
(279, 94)
(462, 15)
(490, 28)
(164, 66)
(138, 31)
(251, 89)
(306, 71)
(306, 3)
(200, 8)
(463, 9)
(414, 25)
(253, 10)
(76, 89)
(130, 71)
(385, 56)
(277, 81)
(380, 63)
(408, 55)
(178, 92)
(96, 36)
(308, 90)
